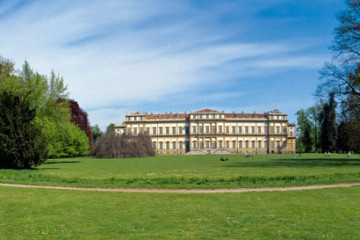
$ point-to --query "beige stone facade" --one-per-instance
(210, 131)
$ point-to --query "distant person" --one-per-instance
(349, 154)
(325, 154)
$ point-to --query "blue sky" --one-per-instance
(163, 56)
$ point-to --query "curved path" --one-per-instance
(229, 190)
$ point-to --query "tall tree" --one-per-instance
(96, 132)
(306, 139)
(328, 125)
(110, 128)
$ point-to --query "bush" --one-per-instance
(22, 144)
(113, 146)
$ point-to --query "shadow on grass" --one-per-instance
(306, 162)
(57, 162)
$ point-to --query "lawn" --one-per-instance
(203, 171)
(65, 214)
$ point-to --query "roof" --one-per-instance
(206, 110)
(244, 115)
(167, 116)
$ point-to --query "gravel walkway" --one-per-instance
(229, 190)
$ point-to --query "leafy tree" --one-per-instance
(21, 141)
(328, 125)
(96, 132)
(306, 140)
(110, 128)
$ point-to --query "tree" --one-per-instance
(110, 128)
(96, 132)
(306, 140)
(328, 125)
(21, 142)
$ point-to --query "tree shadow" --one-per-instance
(61, 162)
(291, 162)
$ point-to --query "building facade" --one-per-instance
(209, 131)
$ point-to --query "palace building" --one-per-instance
(212, 132)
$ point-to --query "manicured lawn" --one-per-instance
(64, 214)
(204, 171)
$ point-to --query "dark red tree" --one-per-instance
(80, 118)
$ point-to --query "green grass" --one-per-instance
(64, 214)
(204, 171)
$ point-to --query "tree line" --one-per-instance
(333, 124)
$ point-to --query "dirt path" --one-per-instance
(142, 190)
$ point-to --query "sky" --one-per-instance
(161, 56)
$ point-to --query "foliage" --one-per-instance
(96, 132)
(21, 141)
(110, 128)
(80, 118)
(328, 126)
(113, 146)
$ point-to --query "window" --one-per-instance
(160, 130)
(194, 129)
(154, 145)
(233, 144)
(207, 128)
(187, 130)
(167, 130)
(180, 145)
(174, 145)
(265, 129)
(253, 144)
(214, 116)
(246, 129)
(227, 129)
(161, 145)
(272, 130)
(207, 144)
(247, 144)
(240, 144)
(167, 145)
(220, 129)
(272, 144)
(200, 116)
(134, 118)
(227, 144)
(278, 144)
(201, 145)
(252, 129)
(135, 131)
(259, 144)
(284, 144)
(259, 129)
(207, 116)
(154, 130)
(220, 144)
(214, 129)
(194, 144)
(148, 130)
(277, 129)
(284, 130)
(141, 131)
(214, 144)
(240, 129)
(180, 130)
(174, 130)
(233, 129)
(129, 131)
(201, 129)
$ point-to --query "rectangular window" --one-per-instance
(174, 130)
(214, 116)
(135, 131)
(277, 129)
(207, 144)
(201, 129)
(141, 131)
(214, 129)
(201, 144)
(160, 130)
(246, 129)
(259, 129)
(252, 129)
(200, 116)
(194, 129)
(180, 145)
(233, 144)
(167, 130)
(227, 144)
(220, 129)
(247, 144)
(161, 145)
(180, 130)
(207, 116)
(174, 145)
(207, 129)
(265, 129)
(167, 145)
(227, 129)
(148, 130)
(284, 130)
(233, 129)
(129, 131)
(154, 130)
(220, 144)
(259, 144)
(240, 129)
(240, 144)
(253, 144)
(194, 144)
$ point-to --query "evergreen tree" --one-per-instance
(328, 126)
(22, 144)
(306, 140)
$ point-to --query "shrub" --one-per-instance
(113, 146)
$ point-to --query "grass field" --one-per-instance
(203, 171)
(64, 214)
